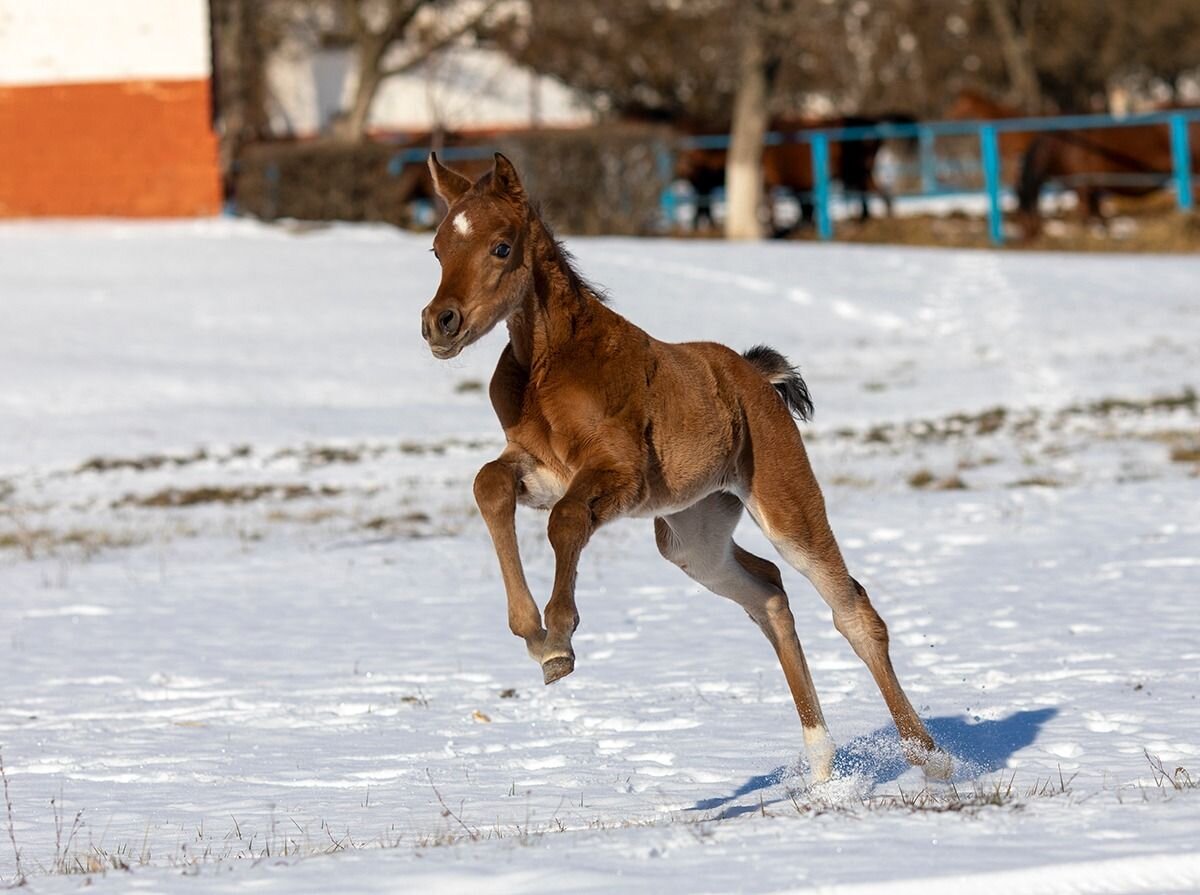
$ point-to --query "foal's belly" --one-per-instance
(541, 488)
(667, 506)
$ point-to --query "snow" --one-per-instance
(248, 614)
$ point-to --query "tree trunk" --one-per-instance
(239, 81)
(352, 126)
(743, 168)
(1018, 57)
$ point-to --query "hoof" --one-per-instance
(821, 751)
(558, 667)
(939, 765)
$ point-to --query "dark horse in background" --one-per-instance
(789, 165)
(1094, 162)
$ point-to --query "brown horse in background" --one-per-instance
(788, 165)
(1091, 163)
(973, 105)
(602, 421)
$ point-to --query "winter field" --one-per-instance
(253, 637)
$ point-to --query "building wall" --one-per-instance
(105, 109)
(461, 89)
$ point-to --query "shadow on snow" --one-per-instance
(978, 747)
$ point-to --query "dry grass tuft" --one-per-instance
(1179, 779)
(35, 542)
(924, 480)
(998, 793)
(1143, 225)
(1036, 481)
(8, 813)
(1186, 454)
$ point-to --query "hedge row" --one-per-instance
(593, 180)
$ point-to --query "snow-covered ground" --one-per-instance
(251, 626)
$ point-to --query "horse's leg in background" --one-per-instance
(883, 192)
(808, 211)
(699, 541)
(1090, 208)
(704, 216)
(1035, 165)
(864, 196)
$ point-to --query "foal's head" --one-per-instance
(483, 247)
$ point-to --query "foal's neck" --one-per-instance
(557, 302)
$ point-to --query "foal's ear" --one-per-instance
(450, 185)
(505, 180)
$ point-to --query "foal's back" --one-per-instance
(694, 407)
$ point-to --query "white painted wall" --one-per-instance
(465, 88)
(79, 41)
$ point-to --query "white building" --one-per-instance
(105, 108)
(458, 89)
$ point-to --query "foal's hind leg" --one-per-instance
(791, 512)
(698, 540)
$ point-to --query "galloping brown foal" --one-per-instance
(603, 421)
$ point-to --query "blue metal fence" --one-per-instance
(988, 134)
(938, 177)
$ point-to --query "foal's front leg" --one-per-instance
(594, 496)
(496, 495)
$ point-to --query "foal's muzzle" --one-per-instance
(443, 329)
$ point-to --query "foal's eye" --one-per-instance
(502, 250)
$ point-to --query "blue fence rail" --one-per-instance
(931, 168)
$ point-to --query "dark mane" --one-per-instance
(575, 279)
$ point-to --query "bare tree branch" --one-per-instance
(1018, 58)
(440, 43)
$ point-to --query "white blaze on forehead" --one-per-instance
(461, 224)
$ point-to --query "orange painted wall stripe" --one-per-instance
(127, 149)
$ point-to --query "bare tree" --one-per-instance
(756, 70)
(244, 34)
(1013, 24)
(389, 38)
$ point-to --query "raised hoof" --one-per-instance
(558, 667)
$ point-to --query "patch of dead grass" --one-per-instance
(1186, 454)
(1036, 481)
(1149, 225)
(223, 494)
(87, 542)
(924, 480)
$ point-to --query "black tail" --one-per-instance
(786, 379)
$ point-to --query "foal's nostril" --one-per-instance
(448, 322)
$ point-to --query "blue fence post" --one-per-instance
(1181, 157)
(991, 180)
(664, 164)
(820, 162)
(925, 140)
